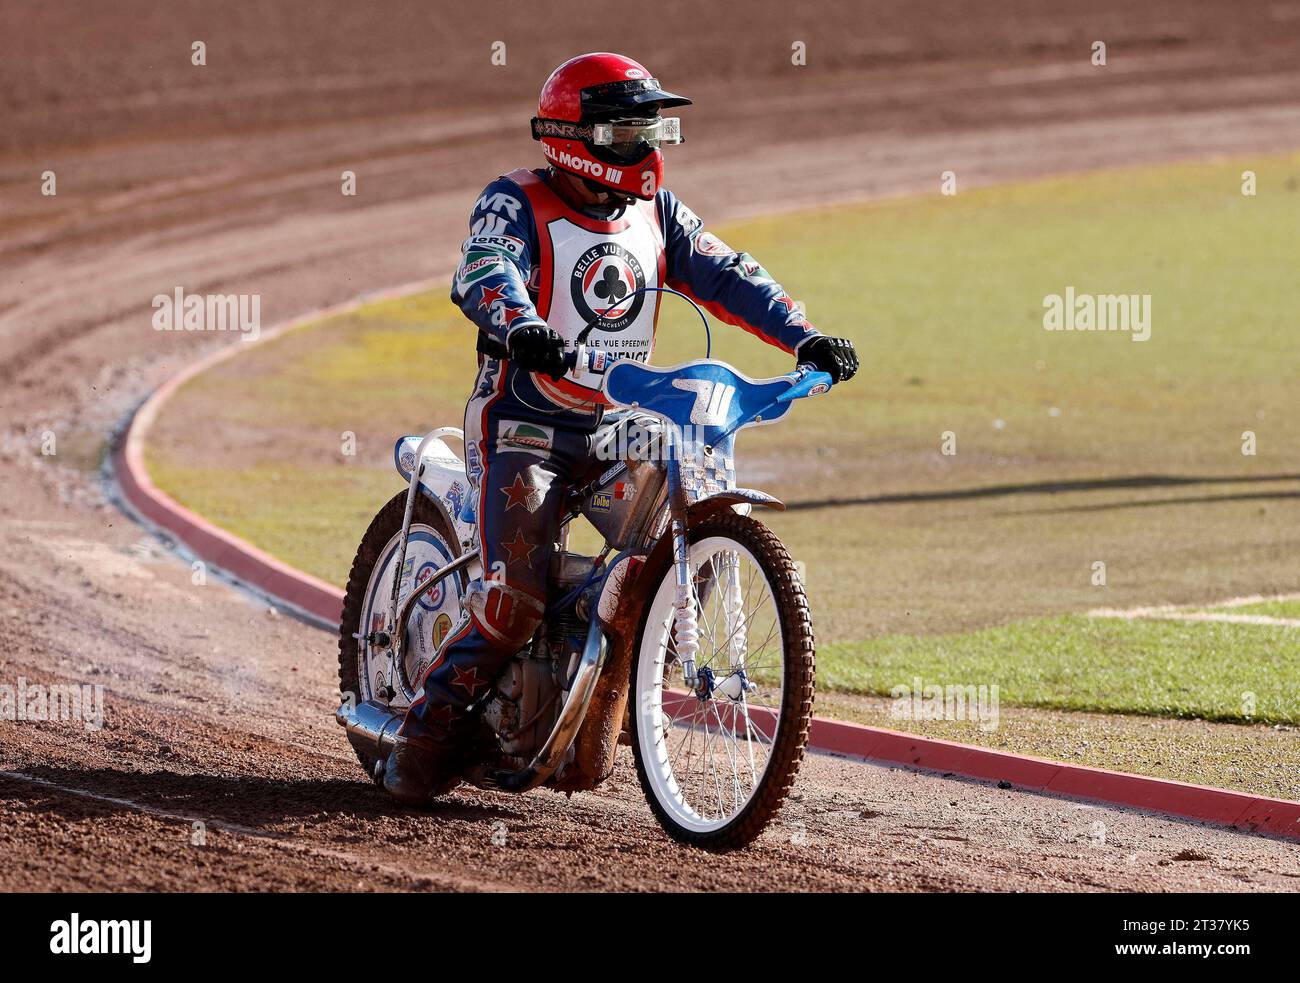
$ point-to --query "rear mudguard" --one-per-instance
(443, 482)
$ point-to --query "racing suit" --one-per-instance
(531, 258)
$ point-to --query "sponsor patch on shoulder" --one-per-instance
(476, 265)
(515, 435)
(508, 245)
(687, 219)
(707, 244)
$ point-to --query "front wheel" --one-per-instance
(717, 759)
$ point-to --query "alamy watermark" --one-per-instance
(81, 703)
(179, 311)
(919, 701)
(1098, 312)
(75, 936)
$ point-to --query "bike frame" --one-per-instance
(704, 404)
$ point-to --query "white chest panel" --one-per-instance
(596, 272)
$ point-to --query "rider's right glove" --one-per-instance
(834, 355)
(537, 348)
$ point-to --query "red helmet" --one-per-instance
(598, 117)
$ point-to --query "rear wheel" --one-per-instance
(366, 668)
(717, 760)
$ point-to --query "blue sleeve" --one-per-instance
(732, 286)
(491, 284)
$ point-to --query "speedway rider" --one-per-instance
(548, 250)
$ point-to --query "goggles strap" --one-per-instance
(560, 129)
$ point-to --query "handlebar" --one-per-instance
(598, 360)
(582, 355)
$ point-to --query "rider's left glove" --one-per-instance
(836, 356)
(538, 348)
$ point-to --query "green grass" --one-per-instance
(307, 539)
(944, 298)
(1214, 671)
(1269, 609)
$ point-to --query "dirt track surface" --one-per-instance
(226, 179)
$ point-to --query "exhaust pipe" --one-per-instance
(567, 724)
(371, 727)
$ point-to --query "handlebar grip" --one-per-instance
(577, 358)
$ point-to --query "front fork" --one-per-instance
(686, 632)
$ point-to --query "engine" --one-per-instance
(531, 689)
(528, 698)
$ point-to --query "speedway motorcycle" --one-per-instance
(688, 635)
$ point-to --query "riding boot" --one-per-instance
(417, 771)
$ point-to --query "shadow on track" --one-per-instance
(247, 800)
(1059, 487)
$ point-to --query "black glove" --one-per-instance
(834, 355)
(537, 348)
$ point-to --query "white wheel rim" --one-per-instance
(435, 614)
(705, 759)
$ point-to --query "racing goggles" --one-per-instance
(628, 138)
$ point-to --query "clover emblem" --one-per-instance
(611, 285)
